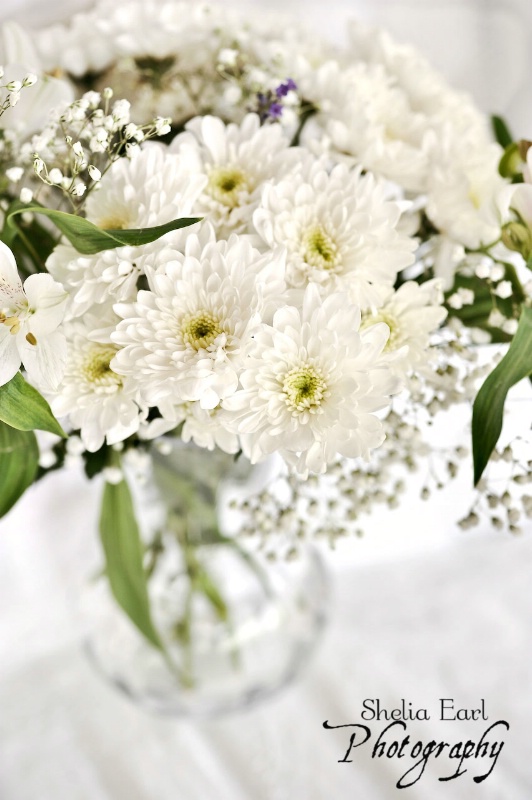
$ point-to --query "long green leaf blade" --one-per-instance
(88, 239)
(19, 460)
(488, 408)
(22, 407)
(123, 551)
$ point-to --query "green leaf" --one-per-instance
(87, 238)
(501, 131)
(123, 551)
(30, 242)
(23, 408)
(489, 404)
(19, 460)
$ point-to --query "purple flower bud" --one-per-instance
(288, 86)
(275, 110)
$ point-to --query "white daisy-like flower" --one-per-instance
(426, 90)
(237, 160)
(152, 189)
(463, 185)
(339, 230)
(367, 120)
(202, 426)
(311, 385)
(99, 402)
(185, 339)
(411, 313)
(30, 317)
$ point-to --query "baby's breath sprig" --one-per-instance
(14, 89)
(80, 146)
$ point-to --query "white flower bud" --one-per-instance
(497, 273)
(13, 98)
(30, 79)
(227, 57)
(38, 165)
(77, 148)
(162, 126)
(14, 174)
(78, 190)
(510, 327)
(132, 150)
(130, 130)
(14, 86)
(113, 475)
(55, 175)
(504, 290)
(107, 93)
(94, 172)
(26, 195)
(92, 98)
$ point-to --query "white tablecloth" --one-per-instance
(451, 623)
(420, 610)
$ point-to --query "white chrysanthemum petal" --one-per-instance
(186, 338)
(101, 403)
(309, 382)
(236, 160)
(339, 230)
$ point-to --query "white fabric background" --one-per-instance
(420, 610)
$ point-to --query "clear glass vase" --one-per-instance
(236, 627)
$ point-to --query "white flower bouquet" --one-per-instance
(254, 249)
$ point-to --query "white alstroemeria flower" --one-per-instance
(311, 384)
(29, 318)
(20, 60)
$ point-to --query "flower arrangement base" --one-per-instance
(235, 626)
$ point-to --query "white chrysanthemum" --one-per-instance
(237, 160)
(311, 385)
(462, 189)
(152, 189)
(367, 120)
(185, 338)
(411, 313)
(98, 401)
(202, 426)
(338, 228)
(426, 90)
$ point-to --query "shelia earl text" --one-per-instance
(454, 754)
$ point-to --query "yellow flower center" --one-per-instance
(226, 185)
(319, 249)
(304, 388)
(96, 367)
(201, 329)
